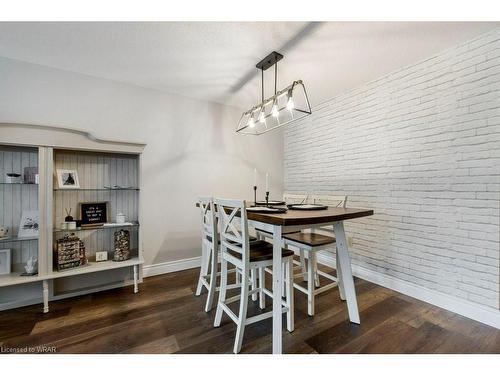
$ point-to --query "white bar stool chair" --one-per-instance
(209, 250)
(210, 254)
(310, 243)
(246, 256)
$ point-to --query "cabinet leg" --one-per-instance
(136, 277)
(45, 293)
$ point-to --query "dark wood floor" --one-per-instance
(166, 317)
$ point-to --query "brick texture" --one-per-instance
(421, 147)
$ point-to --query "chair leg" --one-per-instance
(262, 285)
(316, 275)
(283, 273)
(290, 315)
(310, 284)
(303, 264)
(253, 273)
(203, 268)
(283, 284)
(340, 282)
(213, 280)
(237, 276)
(242, 316)
(222, 293)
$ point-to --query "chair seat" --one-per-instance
(310, 239)
(270, 234)
(261, 251)
(250, 238)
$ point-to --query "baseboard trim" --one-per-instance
(486, 315)
(172, 266)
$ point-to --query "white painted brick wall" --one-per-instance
(421, 147)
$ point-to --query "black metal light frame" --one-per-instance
(244, 126)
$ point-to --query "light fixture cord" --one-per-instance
(275, 76)
(262, 70)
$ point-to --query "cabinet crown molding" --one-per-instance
(63, 137)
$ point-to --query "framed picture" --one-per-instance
(4, 261)
(29, 225)
(67, 179)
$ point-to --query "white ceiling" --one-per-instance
(215, 61)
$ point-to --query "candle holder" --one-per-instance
(255, 195)
(267, 199)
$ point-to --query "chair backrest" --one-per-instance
(330, 200)
(208, 217)
(233, 227)
(295, 198)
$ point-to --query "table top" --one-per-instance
(301, 217)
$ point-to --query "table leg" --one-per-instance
(277, 284)
(346, 272)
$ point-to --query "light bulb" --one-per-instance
(262, 117)
(274, 111)
(251, 122)
(289, 104)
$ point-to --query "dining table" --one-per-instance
(292, 220)
(296, 220)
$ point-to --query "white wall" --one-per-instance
(192, 148)
(420, 146)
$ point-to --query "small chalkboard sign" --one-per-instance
(94, 213)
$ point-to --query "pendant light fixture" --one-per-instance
(284, 107)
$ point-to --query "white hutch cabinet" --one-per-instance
(108, 171)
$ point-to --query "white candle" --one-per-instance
(267, 181)
(255, 177)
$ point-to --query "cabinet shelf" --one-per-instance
(17, 183)
(133, 225)
(15, 278)
(96, 267)
(18, 239)
(99, 189)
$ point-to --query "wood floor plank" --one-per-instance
(333, 338)
(164, 345)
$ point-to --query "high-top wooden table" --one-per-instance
(299, 220)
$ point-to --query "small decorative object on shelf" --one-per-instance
(69, 252)
(120, 218)
(13, 178)
(122, 245)
(30, 267)
(29, 225)
(101, 256)
(31, 175)
(68, 217)
(67, 179)
(3, 231)
(5, 258)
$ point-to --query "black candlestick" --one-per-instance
(267, 199)
(255, 195)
